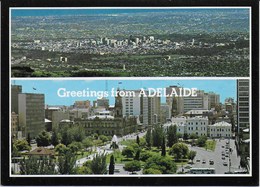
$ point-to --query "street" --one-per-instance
(217, 157)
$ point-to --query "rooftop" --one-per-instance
(222, 123)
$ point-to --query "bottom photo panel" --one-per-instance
(118, 127)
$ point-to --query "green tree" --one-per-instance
(193, 136)
(54, 138)
(137, 140)
(162, 163)
(201, 141)
(145, 155)
(151, 171)
(61, 149)
(172, 135)
(192, 155)
(22, 145)
(148, 138)
(157, 135)
(77, 133)
(179, 135)
(75, 146)
(98, 164)
(179, 151)
(163, 147)
(128, 152)
(36, 166)
(137, 155)
(66, 163)
(43, 139)
(103, 138)
(66, 137)
(185, 136)
(112, 165)
(132, 166)
(87, 142)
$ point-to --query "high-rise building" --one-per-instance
(214, 99)
(31, 113)
(15, 90)
(147, 108)
(243, 120)
(185, 104)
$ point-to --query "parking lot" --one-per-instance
(220, 157)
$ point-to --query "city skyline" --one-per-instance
(225, 88)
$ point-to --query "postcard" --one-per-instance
(147, 93)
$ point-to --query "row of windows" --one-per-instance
(219, 135)
(191, 128)
(201, 123)
(220, 130)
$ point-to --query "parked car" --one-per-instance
(223, 157)
(203, 161)
(225, 163)
(198, 160)
(211, 162)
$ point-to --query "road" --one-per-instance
(217, 157)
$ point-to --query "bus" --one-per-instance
(202, 171)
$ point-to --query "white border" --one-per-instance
(137, 78)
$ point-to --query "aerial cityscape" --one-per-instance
(204, 133)
(129, 42)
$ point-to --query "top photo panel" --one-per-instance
(130, 42)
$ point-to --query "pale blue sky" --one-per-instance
(226, 88)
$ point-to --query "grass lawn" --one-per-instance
(210, 145)
(127, 142)
(79, 155)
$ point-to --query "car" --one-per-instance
(223, 146)
(227, 142)
(223, 157)
(190, 162)
(188, 167)
(203, 161)
(211, 162)
(198, 160)
(226, 155)
(225, 163)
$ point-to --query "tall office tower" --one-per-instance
(147, 108)
(243, 120)
(31, 113)
(169, 91)
(165, 113)
(15, 90)
(214, 99)
(185, 104)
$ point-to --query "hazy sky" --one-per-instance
(225, 88)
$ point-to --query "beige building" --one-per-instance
(31, 113)
(220, 129)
